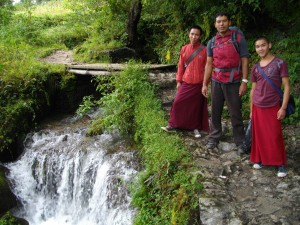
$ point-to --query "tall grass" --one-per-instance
(166, 190)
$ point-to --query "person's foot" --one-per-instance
(168, 128)
(282, 172)
(197, 133)
(257, 166)
(211, 145)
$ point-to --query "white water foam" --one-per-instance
(65, 178)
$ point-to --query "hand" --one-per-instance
(281, 114)
(205, 91)
(178, 85)
(243, 89)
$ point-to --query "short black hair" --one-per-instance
(197, 27)
(262, 38)
(222, 14)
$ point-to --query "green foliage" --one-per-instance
(246, 103)
(96, 127)
(95, 50)
(21, 101)
(67, 82)
(23, 79)
(69, 35)
(18, 118)
(6, 11)
(283, 12)
(105, 23)
(289, 50)
(8, 219)
(168, 21)
(119, 105)
(105, 83)
(166, 191)
(172, 44)
(22, 90)
(83, 7)
(35, 27)
(87, 106)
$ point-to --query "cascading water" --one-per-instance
(66, 178)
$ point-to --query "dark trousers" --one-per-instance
(220, 93)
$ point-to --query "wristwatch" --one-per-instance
(245, 81)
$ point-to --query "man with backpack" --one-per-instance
(189, 110)
(227, 63)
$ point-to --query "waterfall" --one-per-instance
(66, 178)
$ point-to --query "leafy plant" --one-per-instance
(87, 106)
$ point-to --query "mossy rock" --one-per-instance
(8, 199)
(9, 219)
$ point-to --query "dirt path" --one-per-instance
(60, 57)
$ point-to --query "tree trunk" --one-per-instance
(134, 16)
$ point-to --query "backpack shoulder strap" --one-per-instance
(192, 56)
(234, 39)
(269, 80)
(213, 42)
(212, 46)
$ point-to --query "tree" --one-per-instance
(134, 16)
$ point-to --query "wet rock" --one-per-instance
(8, 199)
(7, 218)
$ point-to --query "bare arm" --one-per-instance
(251, 96)
(286, 95)
(245, 65)
(207, 75)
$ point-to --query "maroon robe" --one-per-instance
(267, 140)
(189, 109)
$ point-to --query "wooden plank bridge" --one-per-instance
(106, 69)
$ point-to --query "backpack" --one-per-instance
(234, 38)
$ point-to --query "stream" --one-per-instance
(66, 178)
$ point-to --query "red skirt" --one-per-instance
(267, 140)
(189, 109)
